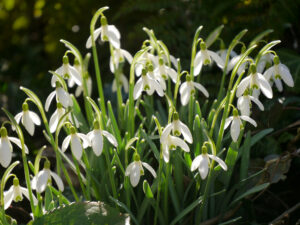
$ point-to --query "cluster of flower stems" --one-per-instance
(157, 73)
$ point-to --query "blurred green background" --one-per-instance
(31, 30)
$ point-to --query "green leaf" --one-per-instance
(147, 189)
(245, 156)
(74, 50)
(260, 135)
(151, 143)
(79, 116)
(114, 124)
(48, 199)
(60, 80)
(130, 142)
(38, 159)
(260, 36)
(213, 36)
(34, 98)
(84, 213)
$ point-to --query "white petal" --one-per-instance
(128, 169)
(218, 160)
(216, 58)
(172, 74)
(286, 75)
(264, 86)
(113, 39)
(127, 55)
(110, 137)
(63, 97)
(42, 180)
(113, 29)
(18, 143)
(179, 142)
(85, 140)
(75, 75)
(18, 117)
(201, 88)
(138, 88)
(5, 152)
(58, 181)
(166, 153)
(33, 182)
(8, 197)
(114, 85)
(148, 167)
(243, 105)
(97, 141)
(135, 174)
(268, 73)
(66, 143)
(248, 119)
(158, 88)
(257, 102)
(235, 129)
(35, 118)
(203, 167)
(278, 84)
(228, 121)
(49, 100)
(186, 132)
(125, 83)
(166, 132)
(53, 122)
(196, 162)
(76, 146)
(242, 86)
(183, 87)
(96, 35)
(28, 123)
(198, 62)
(26, 194)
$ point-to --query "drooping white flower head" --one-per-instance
(234, 61)
(96, 138)
(28, 118)
(108, 33)
(118, 57)
(6, 148)
(236, 124)
(170, 143)
(135, 170)
(223, 53)
(148, 84)
(188, 88)
(279, 72)
(202, 163)
(86, 76)
(143, 60)
(15, 193)
(68, 72)
(123, 81)
(254, 81)
(178, 128)
(62, 96)
(244, 103)
(76, 146)
(205, 57)
(40, 181)
(162, 71)
(264, 61)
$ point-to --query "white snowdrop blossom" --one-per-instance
(108, 33)
(76, 146)
(202, 163)
(148, 84)
(123, 81)
(223, 53)
(164, 71)
(205, 57)
(279, 72)
(86, 76)
(28, 119)
(234, 61)
(236, 124)
(69, 72)
(143, 60)
(135, 170)
(170, 143)
(178, 128)
(6, 148)
(40, 181)
(264, 61)
(254, 81)
(15, 193)
(188, 88)
(118, 57)
(96, 138)
(244, 103)
(62, 96)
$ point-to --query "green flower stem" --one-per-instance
(88, 174)
(88, 108)
(80, 178)
(166, 195)
(161, 161)
(194, 49)
(111, 176)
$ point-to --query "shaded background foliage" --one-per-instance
(31, 30)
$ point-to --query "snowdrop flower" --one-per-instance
(86, 76)
(76, 146)
(178, 128)
(164, 71)
(62, 96)
(279, 72)
(202, 163)
(108, 33)
(28, 118)
(205, 57)
(187, 88)
(96, 138)
(135, 170)
(254, 81)
(117, 57)
(264, 61)
(6, 147)
(67, 72)
(15, 193)
(170, 143)
(236, 124)
(143, 60)
(234, 61)
(244, 103)
(39, 182)
(148, 84)
(223, 53)
(123, 81)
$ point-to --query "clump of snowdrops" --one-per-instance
(165, 154)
